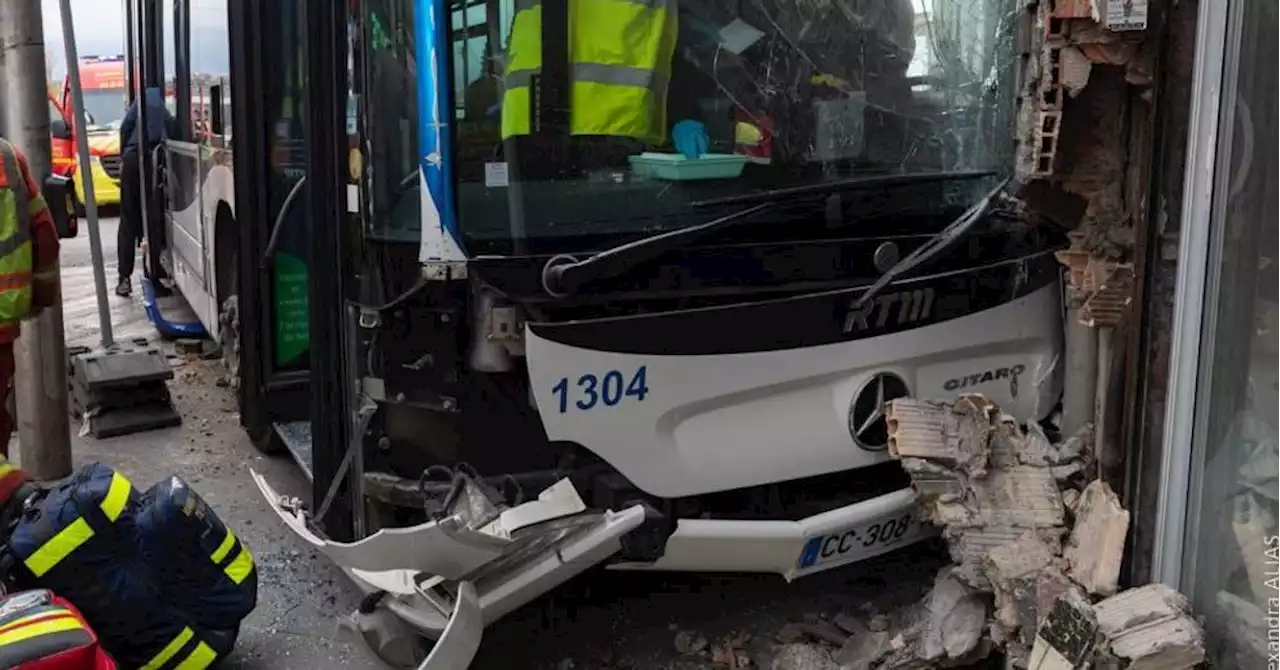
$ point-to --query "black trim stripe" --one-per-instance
(812, 319)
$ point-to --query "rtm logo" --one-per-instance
(897, 309)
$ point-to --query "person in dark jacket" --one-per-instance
(160, 125)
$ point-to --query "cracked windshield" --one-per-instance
(759, 93)
(637, 114)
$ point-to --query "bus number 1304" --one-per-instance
(607, 390)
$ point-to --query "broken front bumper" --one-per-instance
(445, 580)
(797, 548)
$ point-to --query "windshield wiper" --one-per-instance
(940, 242)
(851, 184)
(563, 275)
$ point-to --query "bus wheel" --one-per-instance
(264, 438)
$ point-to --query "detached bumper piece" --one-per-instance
(159, 577)
(444, 580)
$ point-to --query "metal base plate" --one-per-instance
(127, 420)
(112, 369)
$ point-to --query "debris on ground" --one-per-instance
(1037, 541)
(188, 346)
(689, 643)
(803, 656)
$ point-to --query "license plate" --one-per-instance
(866, 539)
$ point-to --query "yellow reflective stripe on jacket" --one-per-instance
(170, 650)
(78, 532)
(59, 547)
(620, 59)
(117, 496)
(240, 567)
(51, 625)
(228, 542)
(201, 657)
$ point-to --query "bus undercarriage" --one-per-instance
(505, 358)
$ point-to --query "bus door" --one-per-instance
(271, 149)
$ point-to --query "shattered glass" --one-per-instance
(806, 91)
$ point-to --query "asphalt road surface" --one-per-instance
(79, 295)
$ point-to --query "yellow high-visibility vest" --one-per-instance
(16, 214)
(620, 54)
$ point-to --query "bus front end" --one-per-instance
(644, 305)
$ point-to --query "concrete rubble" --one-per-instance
(1037, 542)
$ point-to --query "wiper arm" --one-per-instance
(851, 184)
(937, 244)
(563, 275)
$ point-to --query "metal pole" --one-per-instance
(90, 202)
(1080, 385)
(40, 353)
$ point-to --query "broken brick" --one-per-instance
(953, 433)
(1104, 287)
(1096, 545)
(1151, 628)
(1075, 70)
(955, 616)
(1014, 573)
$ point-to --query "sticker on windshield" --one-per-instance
(496, 176)
(738, 36)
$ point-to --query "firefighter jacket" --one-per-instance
(620, 59)
(28, 245)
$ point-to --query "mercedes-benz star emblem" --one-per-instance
(867, 422)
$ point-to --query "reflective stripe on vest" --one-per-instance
(15, 238)
(196, 656)
(76, 533)
(620, 54)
